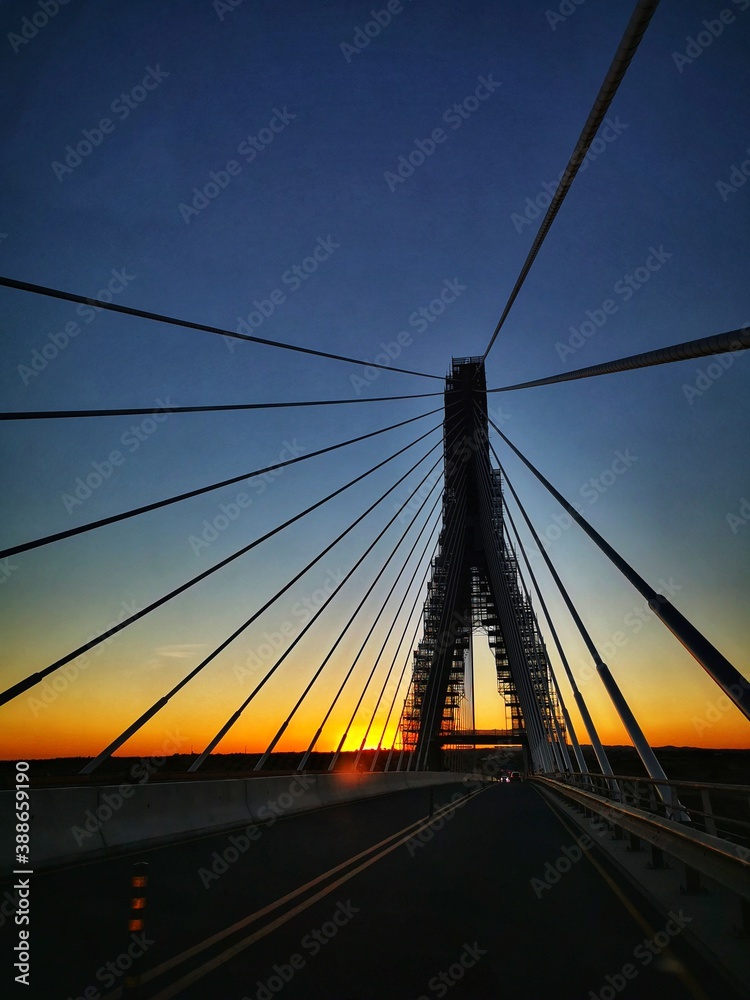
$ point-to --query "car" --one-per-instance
(515, 776)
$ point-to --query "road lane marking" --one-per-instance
(688, 980)
(404, 834)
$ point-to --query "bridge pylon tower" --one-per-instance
(475, 584)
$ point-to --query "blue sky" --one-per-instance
(182, 88)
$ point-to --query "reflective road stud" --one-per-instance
(136, 921)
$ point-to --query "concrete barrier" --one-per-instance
(338, 788)
(69, 824)
(270, 798)
(170, 808)
(61, 824)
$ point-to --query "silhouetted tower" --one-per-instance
(475, 582)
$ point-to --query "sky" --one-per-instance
(366, 184)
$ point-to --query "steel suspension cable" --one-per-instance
(628, 719)
(56, 293)
(158, 705)
(454, 525)
(634, 31)
(447, 528)
(713, 662)
(596, 743)
(156, 410)
(509, 596)
(634, 731)
(720, 343)
(409, 654)
(81, 529)
(236, 715)
(541, 652)
(534, 721)
(396, 732)
(412, 752)
(561, 652)
(35, 678)
(340, 637)
(419, 562)
(355, 661)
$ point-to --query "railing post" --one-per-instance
(708, 816)
(693, 885)
(634, 842)
(657, 861)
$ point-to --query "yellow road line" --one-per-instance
(404, 834)
(688, 980)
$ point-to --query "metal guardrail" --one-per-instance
(709, 843)
(718, 809)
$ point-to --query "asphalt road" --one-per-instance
(365, 902)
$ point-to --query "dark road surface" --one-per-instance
(365, 902)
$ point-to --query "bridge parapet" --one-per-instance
(700, 862)
(83, 822)
(722, 810)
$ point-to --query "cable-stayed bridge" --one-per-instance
(394, 859)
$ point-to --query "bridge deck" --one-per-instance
(458, 899)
